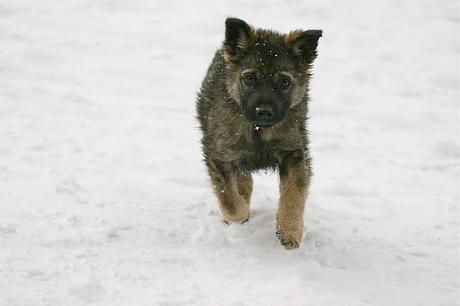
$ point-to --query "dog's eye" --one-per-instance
(284, 83)
(249, 79)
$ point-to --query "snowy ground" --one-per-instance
(104, 199)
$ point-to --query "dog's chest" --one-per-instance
(259, 152)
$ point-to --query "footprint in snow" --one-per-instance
(6, 230)
(92, 291)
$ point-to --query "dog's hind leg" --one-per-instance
(244, 180)
(294, 182)
(233, 206)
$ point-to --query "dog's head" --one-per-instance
(267, 73)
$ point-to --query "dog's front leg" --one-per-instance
(244, 181)
(224, 178)
(294, 182)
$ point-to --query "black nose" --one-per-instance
(264, 112)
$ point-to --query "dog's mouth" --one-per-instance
(260, 127)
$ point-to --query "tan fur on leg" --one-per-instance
(244, 181)
(294, 180)
(233, 206)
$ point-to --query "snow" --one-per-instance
(104, 199)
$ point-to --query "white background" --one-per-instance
(104, 198)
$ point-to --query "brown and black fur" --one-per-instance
(253, 69)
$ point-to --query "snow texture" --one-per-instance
(104, 199)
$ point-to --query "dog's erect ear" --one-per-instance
(303, 43)
(238, 36)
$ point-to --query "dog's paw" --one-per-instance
(241, 215)
(240, 222)
(290, 236)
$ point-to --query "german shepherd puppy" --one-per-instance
(252, 109)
